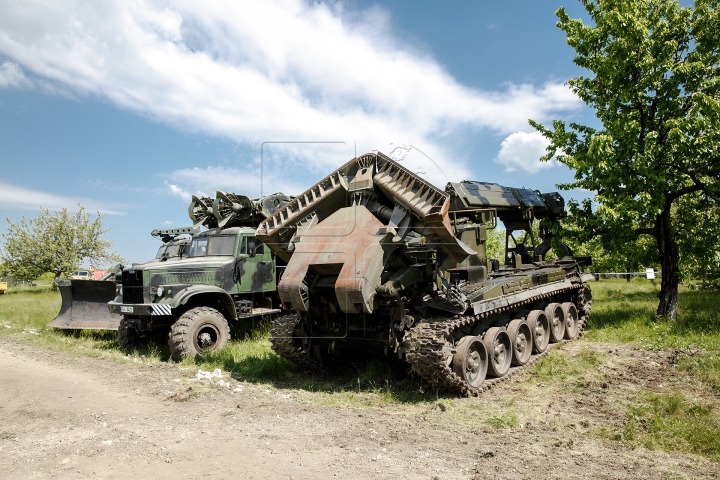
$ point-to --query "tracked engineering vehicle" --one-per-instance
(381, 262)
(225, 275)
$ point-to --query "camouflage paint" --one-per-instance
(239, 274)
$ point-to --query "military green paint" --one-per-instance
(239, 274)
(263, 276)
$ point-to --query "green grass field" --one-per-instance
(675, 419)
(625, 313)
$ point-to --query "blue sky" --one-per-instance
(130, 107)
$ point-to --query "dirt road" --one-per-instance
(68, 417)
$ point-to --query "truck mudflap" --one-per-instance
(84, 306)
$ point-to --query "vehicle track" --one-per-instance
(429, 345)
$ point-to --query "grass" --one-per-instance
(371, 383)
(503, 420)
(247, 358)
(671, 422)
(26, 311)
(572, 372)
(675, 420)
(683, 420)
(624, 312)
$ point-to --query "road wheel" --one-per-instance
(571, 320)
(556, 317)
(521, 339)
(198, 332)
(499, 351)
(540, 329)
(128, 336)
(470, 361)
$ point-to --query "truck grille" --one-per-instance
(132, 286)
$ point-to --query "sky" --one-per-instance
(130, 107)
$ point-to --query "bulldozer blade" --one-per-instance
(84, 306)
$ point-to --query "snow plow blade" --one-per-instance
(84, 306)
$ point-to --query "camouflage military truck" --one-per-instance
(381, 262)
(225, 275)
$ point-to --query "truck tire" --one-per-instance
(128, 336)
(197, 332)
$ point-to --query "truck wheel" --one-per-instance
(128, 336)
(197, 332)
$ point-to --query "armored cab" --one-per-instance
(381, 262)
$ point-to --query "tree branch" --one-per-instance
(646, 231)
(670, 197)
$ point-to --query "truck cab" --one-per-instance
(226, 275)
(216, 276)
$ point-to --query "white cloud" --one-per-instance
(522, 150)
(285, 168)
(240, 69)
(179, 192)
(13, 197)
(11, 75)
(204, 182)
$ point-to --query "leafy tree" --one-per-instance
(655, 88)
(495, 244)
(55, 242)
(698, 218)
(610, 252)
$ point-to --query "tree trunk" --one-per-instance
(627, 277)
(55, 279)
(669, 260)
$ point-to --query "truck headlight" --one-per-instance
(159, 291)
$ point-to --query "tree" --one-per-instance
(495, 244)
(698, 217)
(655, 87)
(55, 242)
(610, 251)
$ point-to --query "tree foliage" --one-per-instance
(655, 88)
(55, 242)
(609, 252)
(495, 244)
(698, 220)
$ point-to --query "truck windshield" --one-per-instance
(223, 245)
(167, 251)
